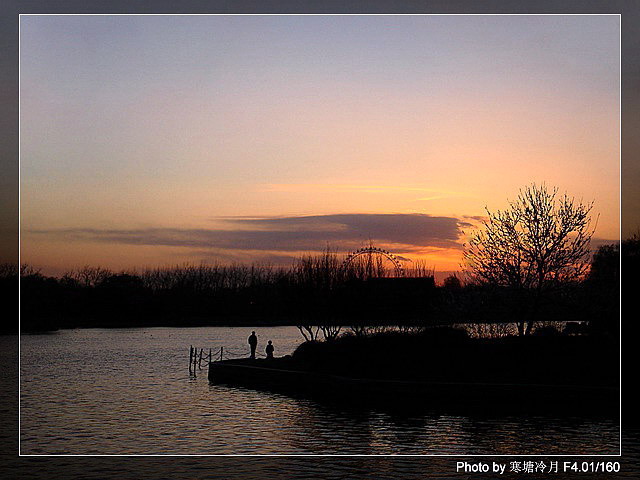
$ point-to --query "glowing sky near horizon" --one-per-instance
(157, 140)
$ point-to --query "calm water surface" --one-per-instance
(129, 391)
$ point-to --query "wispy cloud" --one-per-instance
(426, 199)
(286, 234)
(358, 188)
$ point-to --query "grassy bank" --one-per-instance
(450, 355)
(443, 369)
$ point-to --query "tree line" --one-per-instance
(527, 265)
(315, 294)
(315, 287)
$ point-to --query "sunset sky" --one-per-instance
(160, 140)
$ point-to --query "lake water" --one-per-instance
(128, 391)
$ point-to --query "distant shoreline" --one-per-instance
(188, 323)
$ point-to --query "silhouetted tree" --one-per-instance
(309, 332)
(330, 332)
(540, 242)
(605, 265)
(9, 275)
(601, 291)
(630, 252)
(88, 276)
(452, 282)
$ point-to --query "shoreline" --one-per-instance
(579, 399)
(441, 366)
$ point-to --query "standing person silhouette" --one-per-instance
(269, 350)
(253, 343)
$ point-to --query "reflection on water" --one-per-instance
(129, 392)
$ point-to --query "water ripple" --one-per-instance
(129, 392)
